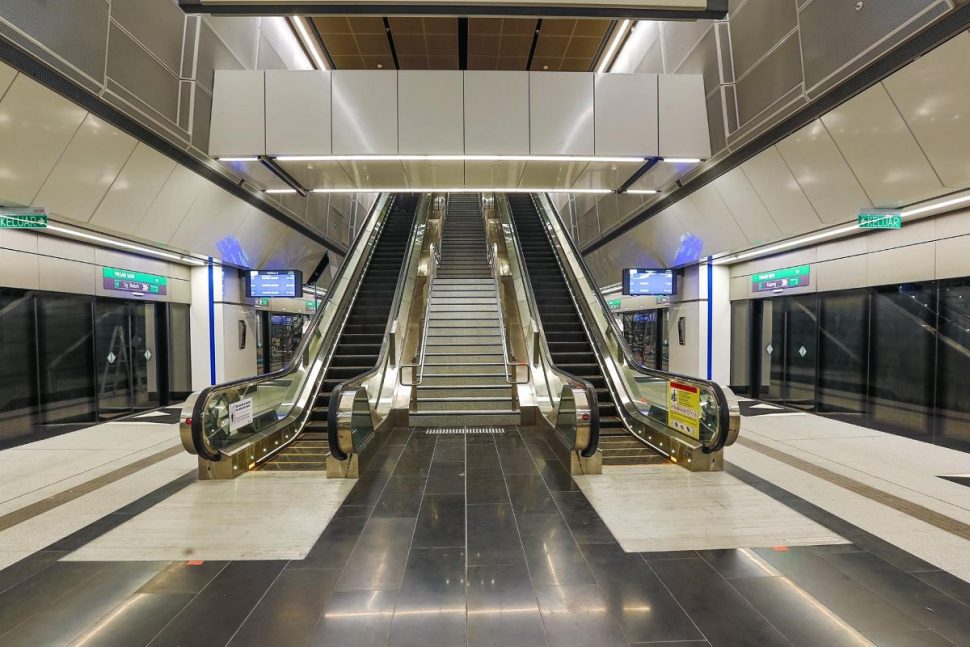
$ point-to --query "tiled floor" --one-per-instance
(483, 540)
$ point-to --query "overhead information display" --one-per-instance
(639, 282)
(274, 283)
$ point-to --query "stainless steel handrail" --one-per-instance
(506, 356)
(197, 441)
(728, 411)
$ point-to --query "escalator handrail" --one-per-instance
(723, 407)
(421, 208)
(292, 364)
(543, 350)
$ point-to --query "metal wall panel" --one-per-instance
(626, 114)
(770, 80)
(703, 60)
(213, 55)
(679, 38)
(201, 117)
(138, 72)
(158, 26)
(364, 112)
(268, 58)
(431, 112)
(238, 114)
(496, 113)
(561, 113)
(757, 27)
(298, 113)
(683, 117)
(780, 193)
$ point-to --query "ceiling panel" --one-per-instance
(171, 205)
(933, 95)
(746, 207)
(823, 174)
(560, 175)
(610, 175)
(661, 176)
(256, 174)
(134, 190)
(379, 174)
(719, 222)
(318, 175)
(36, 126)
(434, 174)
(7, 75)
(205, 222)
(780, 193)
(497, 174)
(881, 150)
(86, 169)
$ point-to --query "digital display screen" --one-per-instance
(638, 282)
(274, 283)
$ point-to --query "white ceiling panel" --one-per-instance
(933, 95)
(629, 204)
(434, 174)
(134, 190)
(170, 207)
(35, 128)
(258, 236)
(720, 225)
(7, 75)
(498, 174)
(662, 175)
(560, 175)
(318, 175)
(318, 205)
(780, 193)
(256, 174)
(665, 234)
(606, 175)
(607, 212)
(86, 170)
(881, 150)
(746, 207)
(823, 174)
(376, 174)
(205, 222)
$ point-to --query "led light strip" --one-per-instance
(456, 158)
(309, 42)
(459, 189)
(798, 242)
(608, 58)
(123, 245)
(641, 191)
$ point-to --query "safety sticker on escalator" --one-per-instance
(684, 409)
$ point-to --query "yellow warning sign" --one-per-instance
(684, 409)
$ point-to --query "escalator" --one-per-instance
(569, 344)
(360, 342)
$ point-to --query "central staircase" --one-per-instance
(464, 382)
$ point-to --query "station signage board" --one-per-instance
(134, 282)
(778, 280)
(23, 218)
(880, 220)
(614, 304)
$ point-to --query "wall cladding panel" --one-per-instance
(757, 27)
(773, 78)
(159, 26)
(138, 72)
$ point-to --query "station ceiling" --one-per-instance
(450, 43)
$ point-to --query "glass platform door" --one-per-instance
(788, 352)
(125, 343)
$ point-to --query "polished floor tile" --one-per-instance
(441, 522)
(358, 618)
(402, 498)
(577, 615)
(446, 478)
(378, 560)
(431, 607)
(502, 608)
(492, 535)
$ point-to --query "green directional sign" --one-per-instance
(776, 280)
(880, 220)
(311, 305)
(130, 281)
(614, 304)
(23, 218)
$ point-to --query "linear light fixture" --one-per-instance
(459, 189)
(280, 191)
(461, 158)
(123, 245)
(804, 240)
(682, 160)
(607, 59)
(309, 42)
(238, 159)
(641, 191)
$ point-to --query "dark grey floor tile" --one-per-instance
(28, 567)
(82, 607)
(358, 618)
(735, 562)
(517, 461)
(446, 478)
(220, 608)
(553, 556)
(540, 449)
(660, 555)
(854, 603)
(352, 512)
(368, 489)
(583, 520)
(288, 612)
(441, 522)
(950, 584)
(529, 495)
(386, 458)
(485, 487)
(398, 437)
(334, 546)
(431, 607)
(43, 589)
(804, 621)
(502, 608)
(924, 603)
(480, 456)
(721, 613)
(378, 560)
(639, 601)
(556, 476)
(183, 577)
(577, 615)
(911, 638)
(136, 621)
(401, 497)
(492, 535)
(449, 450)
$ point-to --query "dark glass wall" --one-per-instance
(67, 361)
(895, 358)
(644, 333)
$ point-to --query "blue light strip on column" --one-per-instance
(710, 317)
(212, 326)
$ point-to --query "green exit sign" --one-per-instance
(880, 220)
(614, 304)
(311, 305)
(23, 218)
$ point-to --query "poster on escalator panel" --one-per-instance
(240, 414)
(684, 409)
